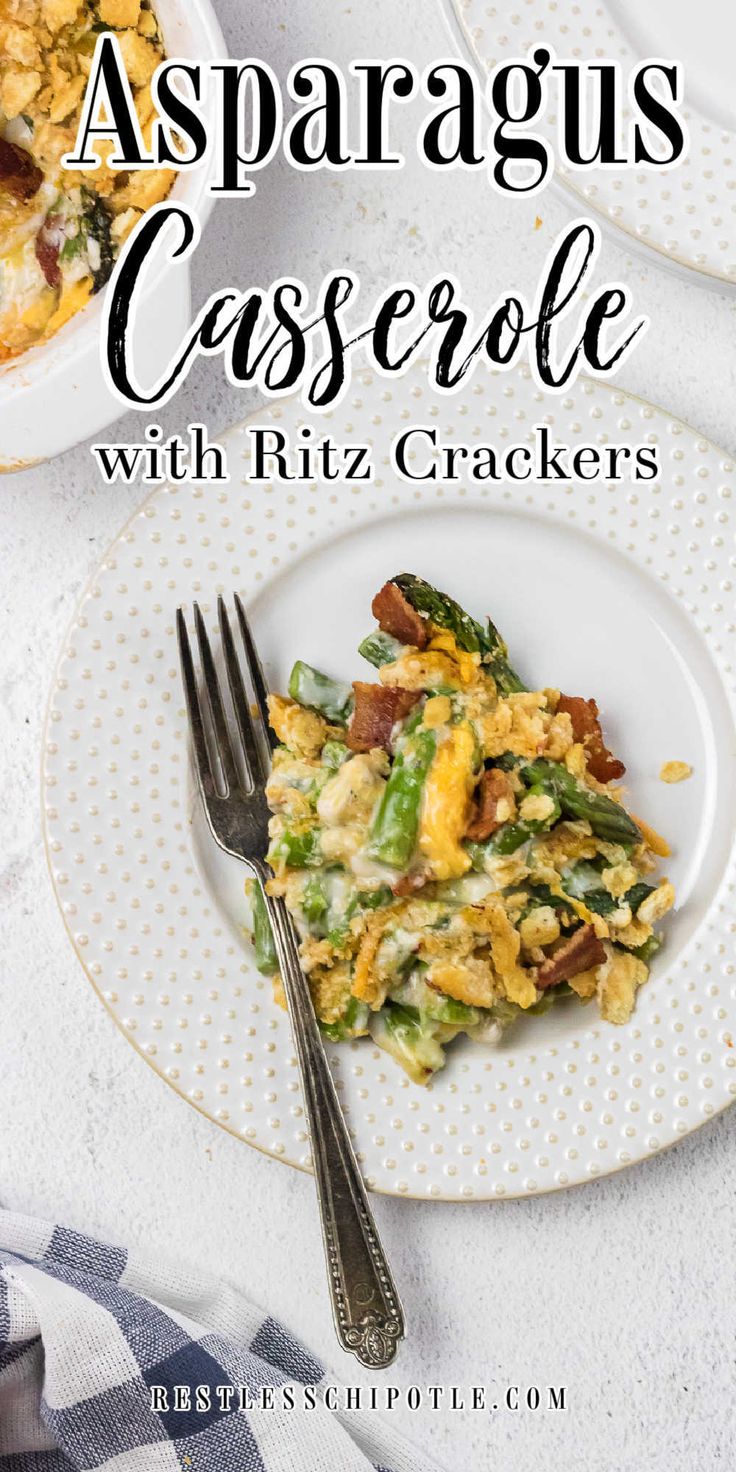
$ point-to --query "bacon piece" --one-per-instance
(19, 175)
(408, 884)
(494, 786)
(49, 241)
(395, 615)
(376, 710)
(586, 727)
(577, 954)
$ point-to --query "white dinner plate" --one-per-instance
(687, 213)
(623, 593)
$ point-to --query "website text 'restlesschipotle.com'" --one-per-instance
(488, 1398)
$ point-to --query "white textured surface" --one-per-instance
(622, 1289)
(565, 1097)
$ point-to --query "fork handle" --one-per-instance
(368, 1315)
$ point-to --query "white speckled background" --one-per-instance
(621, 1290)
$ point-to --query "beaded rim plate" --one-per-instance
(623, 592)
(685, 214)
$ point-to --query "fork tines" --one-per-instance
(208, 721)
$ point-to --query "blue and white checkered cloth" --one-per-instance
(87, 1330)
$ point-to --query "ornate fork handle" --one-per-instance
(368, 1315)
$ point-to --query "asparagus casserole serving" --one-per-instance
(453, 846)
(61, 230)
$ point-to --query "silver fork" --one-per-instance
(368, 1315)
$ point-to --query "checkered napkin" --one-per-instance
(86, 1330)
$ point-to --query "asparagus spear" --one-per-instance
(469, 634)
(496, 658)
(396, 824)
(352, 1024)
(371, 899)
(416, 997)
(539, 894)
(330, 697)
(297, 848)
(414, 1045)
(265, 950)
(509, 837)
(636, 896)
(505, 841)
(333, 754)
(583, 882)
(648, 950)
(607, 818)
(548, 998)
(443, 611)
(380, 648)
(315, 904)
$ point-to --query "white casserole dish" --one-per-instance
(55, 395)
